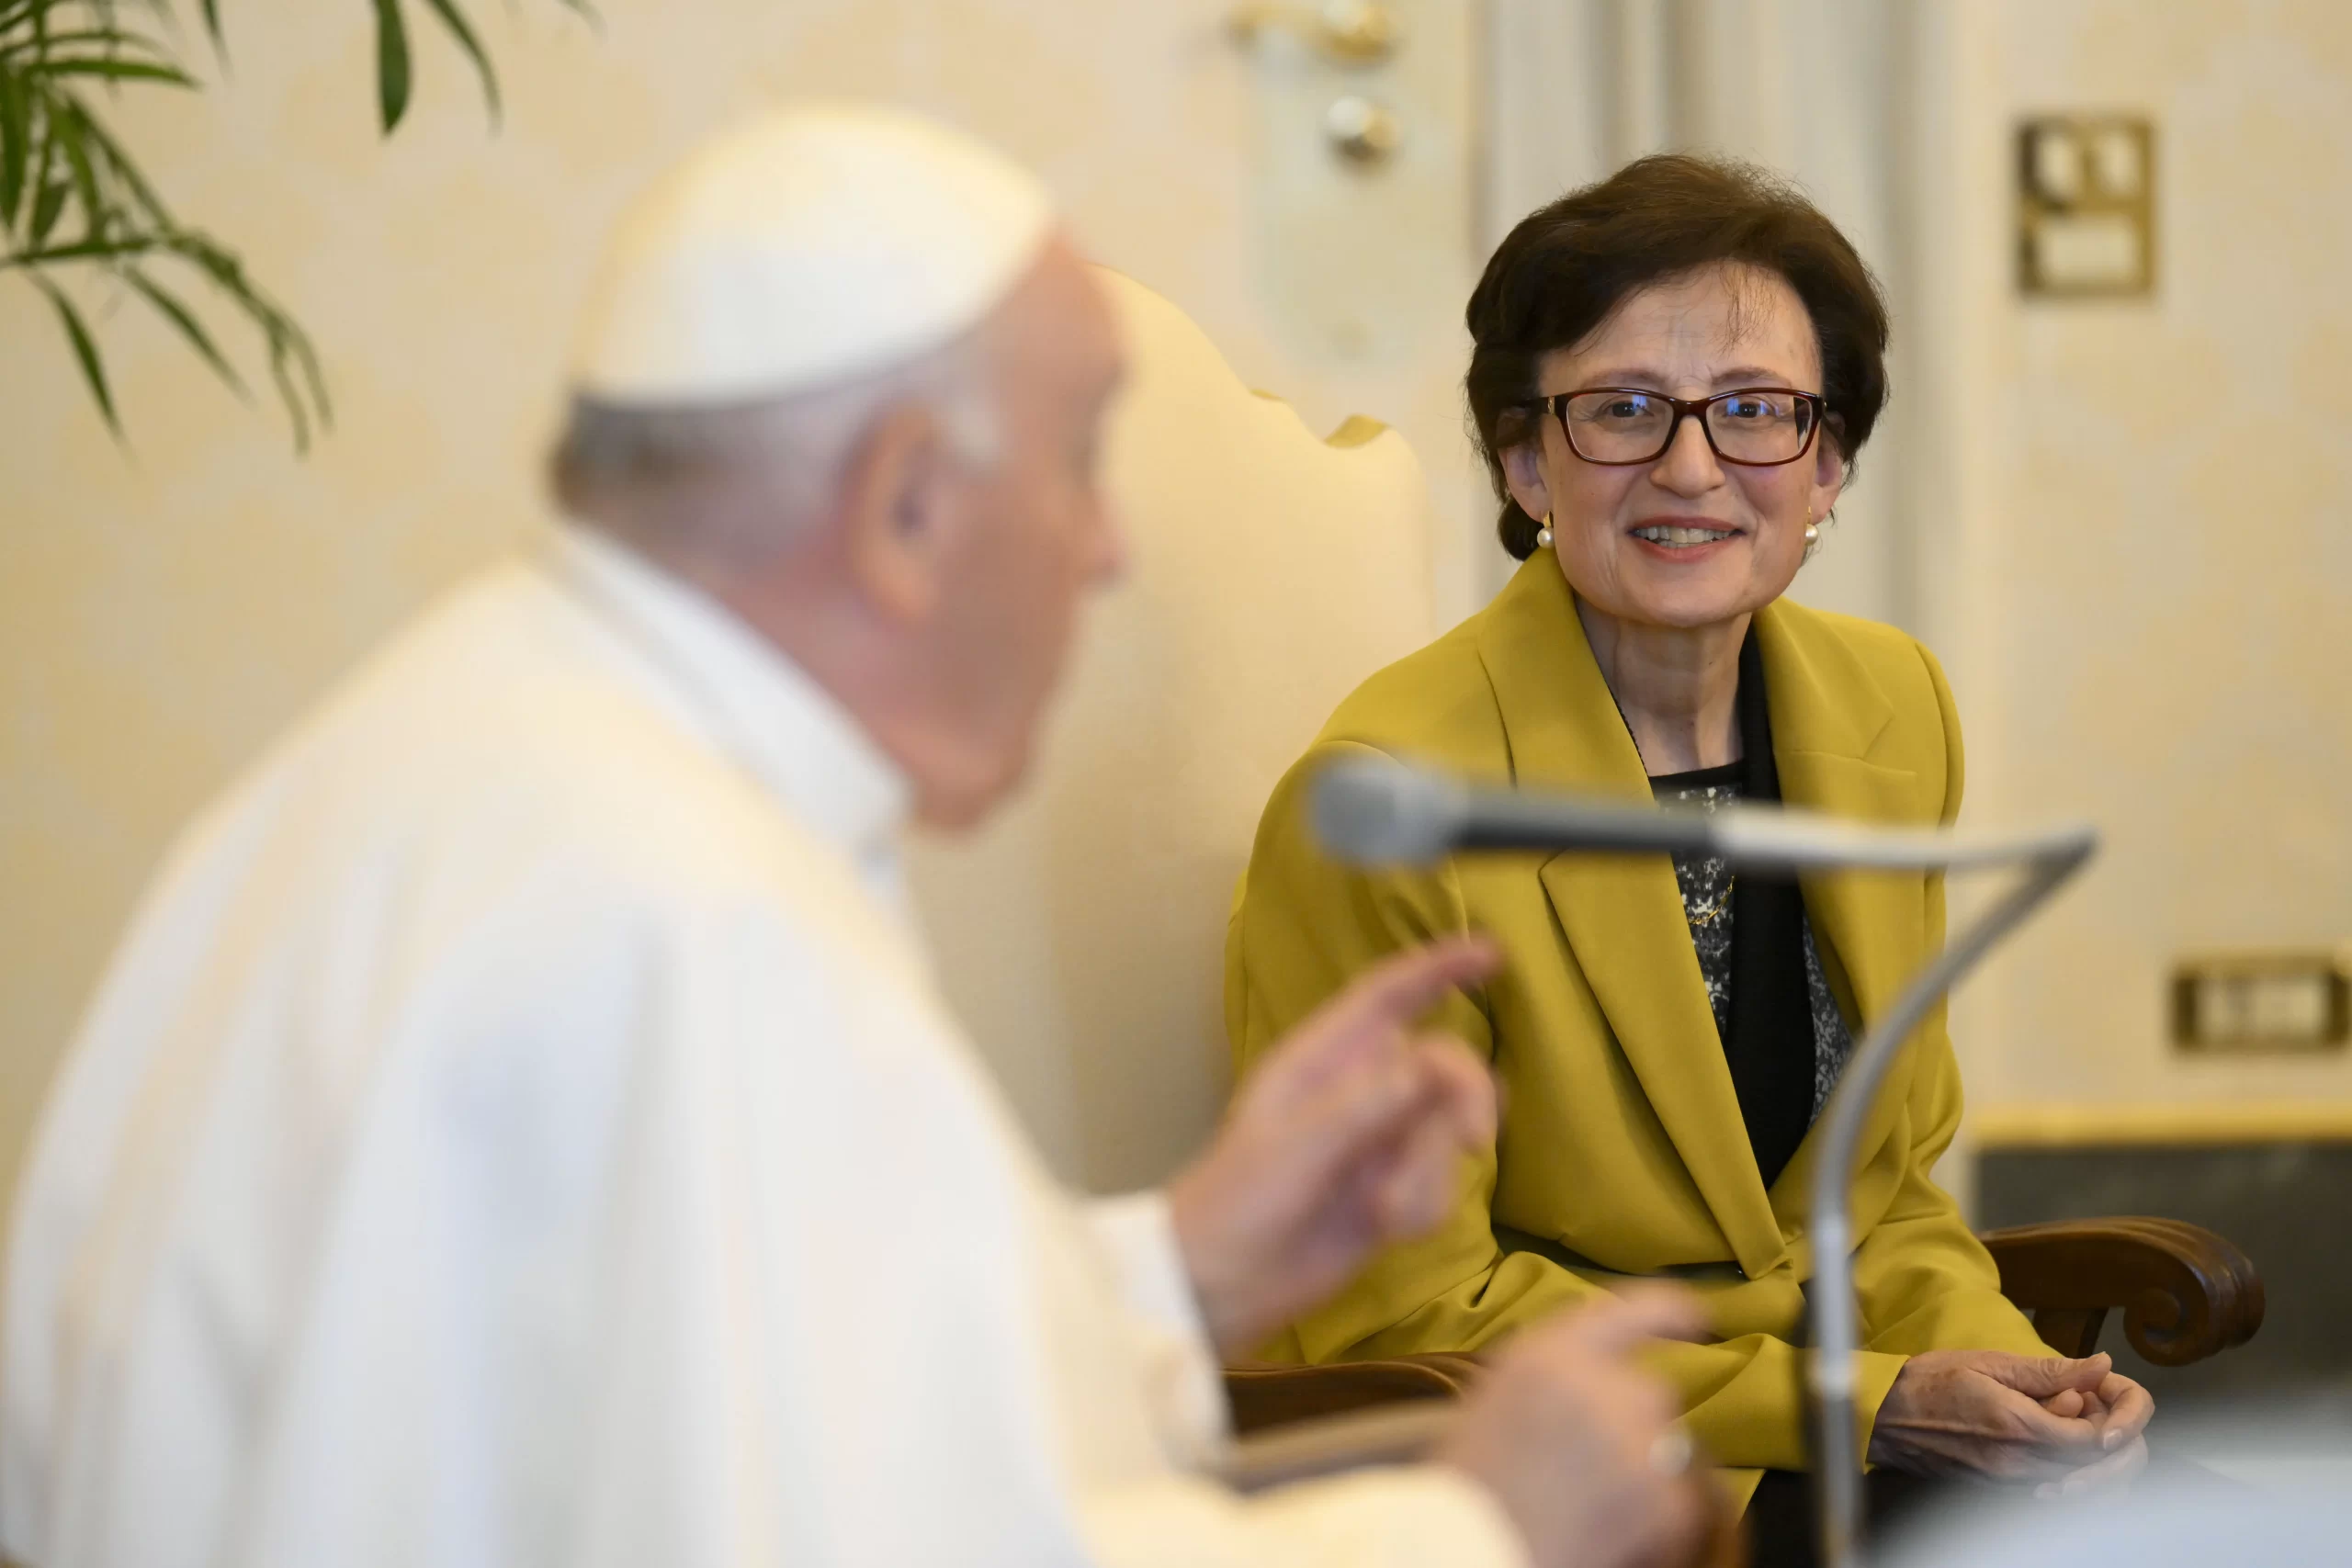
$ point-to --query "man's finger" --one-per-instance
(1633, 1317)
(1466, 1087)
(1363, 1023)
(1400, 988)
(1362, 1122)
(1417, 1188)
(1354, 1116)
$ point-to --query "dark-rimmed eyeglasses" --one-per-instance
(1758, 427)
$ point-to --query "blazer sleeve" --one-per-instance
(1302, 927)
(1925, 1281)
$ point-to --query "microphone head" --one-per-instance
(1374, 810)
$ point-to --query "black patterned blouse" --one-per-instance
(1783, 1036)
(1707, 886)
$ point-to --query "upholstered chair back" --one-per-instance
(1081, 936)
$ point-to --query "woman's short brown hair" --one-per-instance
(1561, 272)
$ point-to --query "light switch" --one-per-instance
(2262, 1001)
(2086, 206)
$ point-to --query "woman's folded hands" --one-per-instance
(2060, 1424)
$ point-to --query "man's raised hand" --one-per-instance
(1348, 1137)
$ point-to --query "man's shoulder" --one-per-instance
(505, 694)
(493, 738)
(494, 824)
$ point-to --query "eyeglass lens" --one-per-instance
(1634, 427)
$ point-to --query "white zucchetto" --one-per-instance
(808, 247)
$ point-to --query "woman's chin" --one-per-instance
(1696, 586)
(1641, 586)
(1691, 605)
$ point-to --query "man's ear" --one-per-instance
(895, 516)
(1523, 473)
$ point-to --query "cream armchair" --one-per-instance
(1082, 938)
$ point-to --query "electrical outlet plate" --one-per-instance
(2282, 1000)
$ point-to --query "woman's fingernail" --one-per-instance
(2110, 1439)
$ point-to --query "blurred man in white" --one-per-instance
(520, 1128)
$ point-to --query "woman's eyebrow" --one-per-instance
(1649, 378)
(1623, 376)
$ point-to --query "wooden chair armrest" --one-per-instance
(1399, 1433)
(2185, 1292)
(1264, 1396)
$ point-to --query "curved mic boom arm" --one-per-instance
(1380, 810)
(2049, 859)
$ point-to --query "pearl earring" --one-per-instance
(1812, 534)
(1544, 534)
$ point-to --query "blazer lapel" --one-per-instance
(1622, 914)
(1828, 713)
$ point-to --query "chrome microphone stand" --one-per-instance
(2048, 858)
(1379, 810)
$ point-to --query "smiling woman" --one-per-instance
(1672, 373)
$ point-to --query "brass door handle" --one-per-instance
(1347, 32)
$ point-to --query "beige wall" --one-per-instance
(162, 611)
(2147, 604)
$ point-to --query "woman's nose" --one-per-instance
(1688, 466)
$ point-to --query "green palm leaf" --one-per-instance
(184, 321)
(73, 200)
(49, 206)
(15, 138)
(66, 131)
(455, 20)
(120, 69)
(86, 350)
(392, 63)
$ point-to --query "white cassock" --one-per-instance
(520, 1129)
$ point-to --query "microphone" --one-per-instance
(1380, 810)
(1376, 810)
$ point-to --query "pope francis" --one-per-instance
(519, 1128)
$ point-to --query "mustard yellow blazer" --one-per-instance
(1621, 1151)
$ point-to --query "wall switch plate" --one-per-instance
(2086, 206)
(2262, 1001)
